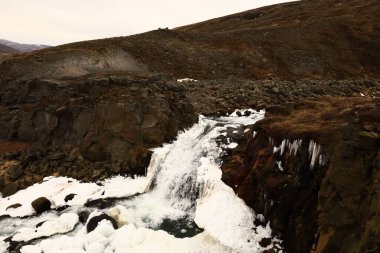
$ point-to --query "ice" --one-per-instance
(232, 145)
(314, 151)
(280, 166)
(295, 145)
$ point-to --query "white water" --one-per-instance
(183, 183)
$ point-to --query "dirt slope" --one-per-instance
(300, 40)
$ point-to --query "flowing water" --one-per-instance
(181, 205)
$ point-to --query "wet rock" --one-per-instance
(70, 197)
(40, 224)
(265, 242)
(94, 221)
(14, 206)
(83, 216)
(100, 203)
(41, 205)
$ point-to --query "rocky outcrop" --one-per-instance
(312, 169)
(229, 94)
(87, 128)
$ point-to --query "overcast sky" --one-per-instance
(56, 22)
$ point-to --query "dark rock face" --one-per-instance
(331, 207)
(89, 128)
(230, 94)
(41, 205)
(10, 189)
(94, 221)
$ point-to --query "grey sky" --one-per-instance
(56, 22)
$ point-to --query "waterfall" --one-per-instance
(183, 186)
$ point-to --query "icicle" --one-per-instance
(280, 166)
(295, 146)
(283, 144)
(271, 142)
(322, 160)
(254, 134)
(311, 145)
(314, 151)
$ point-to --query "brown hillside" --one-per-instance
(7, 50)
(299, 40)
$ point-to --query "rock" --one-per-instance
(100, 203)
(83, 216)
(16, 172)
(41, 204)
(10, 189)
(149, 121)
(275, 90)
(94, 221)
(73, 155)
(40, 224)
(70, 197)
(57, 156)
(14, 206)
(265, 242)
(95, 153)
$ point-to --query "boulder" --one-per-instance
(41, 204)
(94, 221)
(265, 242)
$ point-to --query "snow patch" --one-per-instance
(65, 223)
(186, 80)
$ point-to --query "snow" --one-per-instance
(57, 188)
(183, 181)
(65, 223)
(185, 80)
(3, 245)
(126, 239)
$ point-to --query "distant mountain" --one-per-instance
(22, 47)
(4, 49)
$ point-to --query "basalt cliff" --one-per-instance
(94, 109)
